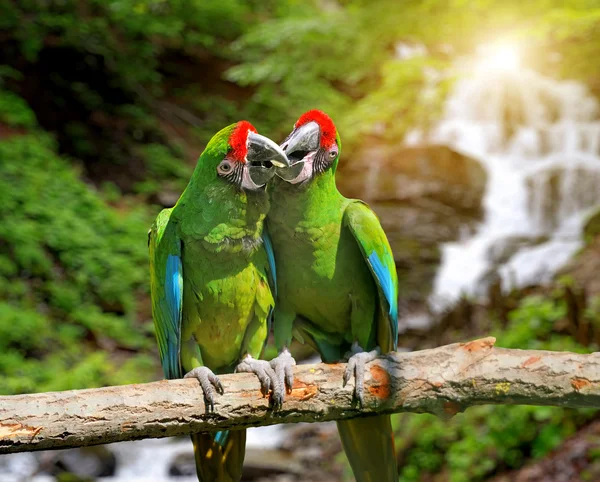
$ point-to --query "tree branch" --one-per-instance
(443, 381)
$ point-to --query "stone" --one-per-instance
(84, 462)
(591, 228)
(183, 465)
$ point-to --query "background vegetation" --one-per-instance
(106, 104)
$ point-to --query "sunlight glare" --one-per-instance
(499, 57)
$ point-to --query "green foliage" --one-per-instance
(532, 326)
(102, 62)
(71, 273)
(489, 439)
(481, 441)
(572, 29)
(130, 35)
(315, 58)
(296, 61)
(162, 165)
(418, 96)
(15, 112)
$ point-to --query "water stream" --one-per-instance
(539, 141)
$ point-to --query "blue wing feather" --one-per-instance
(221, 437)
(375, 248)
(173, 298)
(271, 258)
(386, 282)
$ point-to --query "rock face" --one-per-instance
(591, 229)
(424, 196)
(584, 268)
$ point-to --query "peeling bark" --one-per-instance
(443, 381)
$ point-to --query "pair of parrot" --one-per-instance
(232, 257)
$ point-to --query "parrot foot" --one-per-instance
(283, 365)
(267, 377)
(209, 383)
(357, 359)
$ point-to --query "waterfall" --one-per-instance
(539, 141)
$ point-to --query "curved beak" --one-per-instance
(263, 151)
(301, 141)
(262, 159)
(298, 147)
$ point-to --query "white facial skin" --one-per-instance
(314, 163)
(247, 182)
(307, 169)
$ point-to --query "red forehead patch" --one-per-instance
(327, 126)
(238, 140)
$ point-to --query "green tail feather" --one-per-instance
(369, 446)
(219, 458)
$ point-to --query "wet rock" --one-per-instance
(183, 465)
(559, 192)
(504, 248)
(260, 463)
(583, 269)
(82, 463)
(424, 196)
(416, 321)
(278, 478)
(591, 229)
(408, 174)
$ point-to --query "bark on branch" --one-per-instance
(443, 381)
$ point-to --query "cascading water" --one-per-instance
(539, 141)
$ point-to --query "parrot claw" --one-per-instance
(357, 360)
(209, 383)
(283, 365)
(267, 377)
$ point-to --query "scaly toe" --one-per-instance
(356, 366)
(268, 379)
(283, 366)
(348, 372)
(208, 382)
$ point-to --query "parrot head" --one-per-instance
(312, 148)
(244, 157)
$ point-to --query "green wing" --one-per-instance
(166, 288)
(373, 243)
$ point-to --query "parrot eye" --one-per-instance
(225, 167)
(333, 154)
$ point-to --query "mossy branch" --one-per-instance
(442, 381)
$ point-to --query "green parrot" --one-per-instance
(212, 279)
(336, 279)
